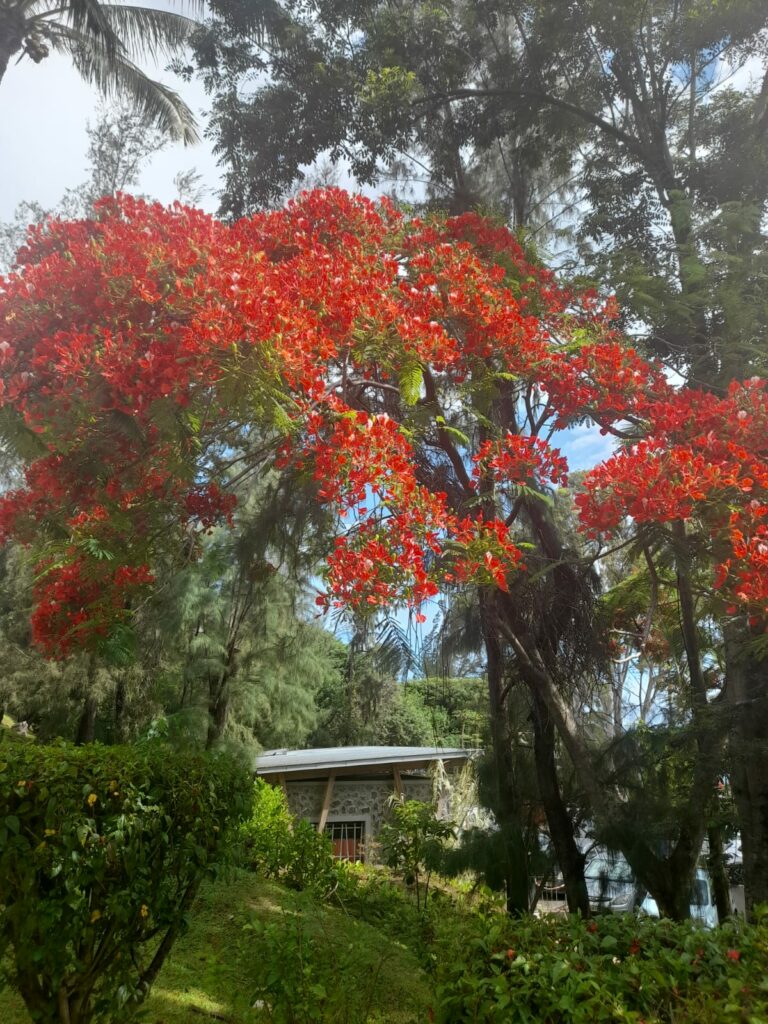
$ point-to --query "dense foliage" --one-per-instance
(102, 850)
(631, 139)
(277, 845)
(413, 372)
(413, 842)
(163, 305)
(618, 968)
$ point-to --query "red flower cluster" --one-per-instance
(705, 460)
(520, 459)
(70, 610)
(144, 349)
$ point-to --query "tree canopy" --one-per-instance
(416, 374)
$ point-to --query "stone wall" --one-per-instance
(365, 800)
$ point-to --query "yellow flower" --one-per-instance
(92, 798)
(50, 832)
(144, 910)
(95, 916)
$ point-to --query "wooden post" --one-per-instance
(326, 801)
(398, 783)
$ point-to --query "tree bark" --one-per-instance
(86, 724)
(569, 857)
(721, 889)
(120, 698)
(218, 707)
(12, 32)
(507, 809)
(747, 701)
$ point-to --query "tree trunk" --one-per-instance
(86, 724)
(120, 697)
(12, 32)
(747, 699)
(721, 888)
(507, 809)
(218, 706)
(671, 890)
(569, 857)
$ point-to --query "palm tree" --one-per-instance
(103, 41)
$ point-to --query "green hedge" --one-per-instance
(101, 852)
(282, 847)
(614, 969)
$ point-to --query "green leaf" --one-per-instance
(458, 435)
(411, 380)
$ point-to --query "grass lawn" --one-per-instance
(214, 971)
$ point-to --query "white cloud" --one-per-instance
(584, 446)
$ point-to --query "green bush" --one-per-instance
(619, 968)
(414, 843)
(279, 846)
(101, 853)
(310, 978)
(266, 833)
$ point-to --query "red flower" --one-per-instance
(733, 954)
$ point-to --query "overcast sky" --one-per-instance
(45, 108)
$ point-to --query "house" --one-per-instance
(346, 791)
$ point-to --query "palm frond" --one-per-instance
(119, 76)
(146, 32)
(87, 17)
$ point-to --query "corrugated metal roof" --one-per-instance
(288, 762)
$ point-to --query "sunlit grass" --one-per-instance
(213, 971)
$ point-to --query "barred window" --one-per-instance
(348, 838)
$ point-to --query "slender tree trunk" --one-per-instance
(747, 699)
(721, 888)
(507, 809)
(149, 976)
(218, 706)
(120, 698)
(86, 723)
(569, 857)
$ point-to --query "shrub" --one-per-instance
(306, 977)
(286, 848)
(267, 831)
(618, 968)
(101, 853)
(413, 843)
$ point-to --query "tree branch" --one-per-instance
(554, 101)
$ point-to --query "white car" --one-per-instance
(612, 886)
(703, 907)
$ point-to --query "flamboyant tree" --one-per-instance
(416, 370)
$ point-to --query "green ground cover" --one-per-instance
(217, 971)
